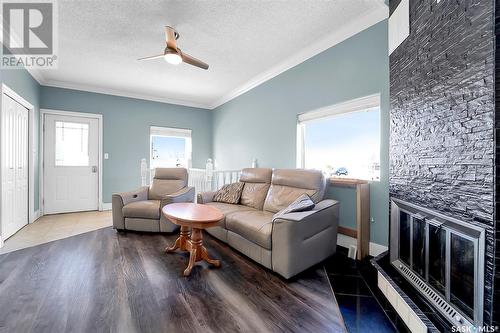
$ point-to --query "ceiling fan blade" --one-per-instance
(171, 36)
(152, 57)
(193, 61)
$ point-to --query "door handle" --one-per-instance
(94, 169)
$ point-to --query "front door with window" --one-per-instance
(71, 157)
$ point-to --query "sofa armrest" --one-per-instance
(302, 239)
(119, 200)
(139, 194)
(205, 197)
(184, 195)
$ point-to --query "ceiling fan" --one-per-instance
(172, 54)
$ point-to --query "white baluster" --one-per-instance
(144, 172)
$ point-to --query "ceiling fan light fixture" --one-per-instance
(172, 57)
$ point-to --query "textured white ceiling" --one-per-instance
(244, 42)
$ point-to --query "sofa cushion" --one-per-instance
(301, 204)
(254, 194)
(289, 184)
(227, 209)
(279, 197)
(230, 193)
(256, 175)
(257, 181)
(253, 225)
(167, 181)
(147, 209)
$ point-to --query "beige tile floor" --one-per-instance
(53, 227)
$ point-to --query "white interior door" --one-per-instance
(15, 121)
(71, 162)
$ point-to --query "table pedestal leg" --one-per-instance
(198, 252)
(181, 242)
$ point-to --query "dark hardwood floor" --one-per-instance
(104, 281)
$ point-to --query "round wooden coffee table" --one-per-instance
(195, 217)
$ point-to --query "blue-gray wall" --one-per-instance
(126, 123)
(262, 122)
(28, 88)
(259, 124)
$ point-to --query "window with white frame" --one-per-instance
(342, 140)
(72, 144)
(170, 147)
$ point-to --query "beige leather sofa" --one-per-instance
(289, 243)
(140, 210)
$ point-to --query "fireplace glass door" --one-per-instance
(444, 253)
(437, 258)
(418, 246)
(462, 274)
(423, 248)
(404, 237)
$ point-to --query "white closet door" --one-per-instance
(15, 120)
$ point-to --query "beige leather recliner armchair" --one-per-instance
(288, 243)
(140, 210)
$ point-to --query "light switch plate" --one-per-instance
(106, 156)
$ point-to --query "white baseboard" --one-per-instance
(376, 249)
(346, 241)
(1, 242)
(106, 206)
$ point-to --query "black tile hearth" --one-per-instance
(363, 314)
(420, 304)
(396, 320)
(360, 309)
(349, 285)
(340, 264)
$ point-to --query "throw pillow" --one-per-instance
(229, 193)
(301, 204)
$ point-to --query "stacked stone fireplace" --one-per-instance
(444, 152)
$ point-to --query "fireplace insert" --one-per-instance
(442, 257)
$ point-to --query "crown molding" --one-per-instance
(36, 74)
(114, 92)
(349, 30)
